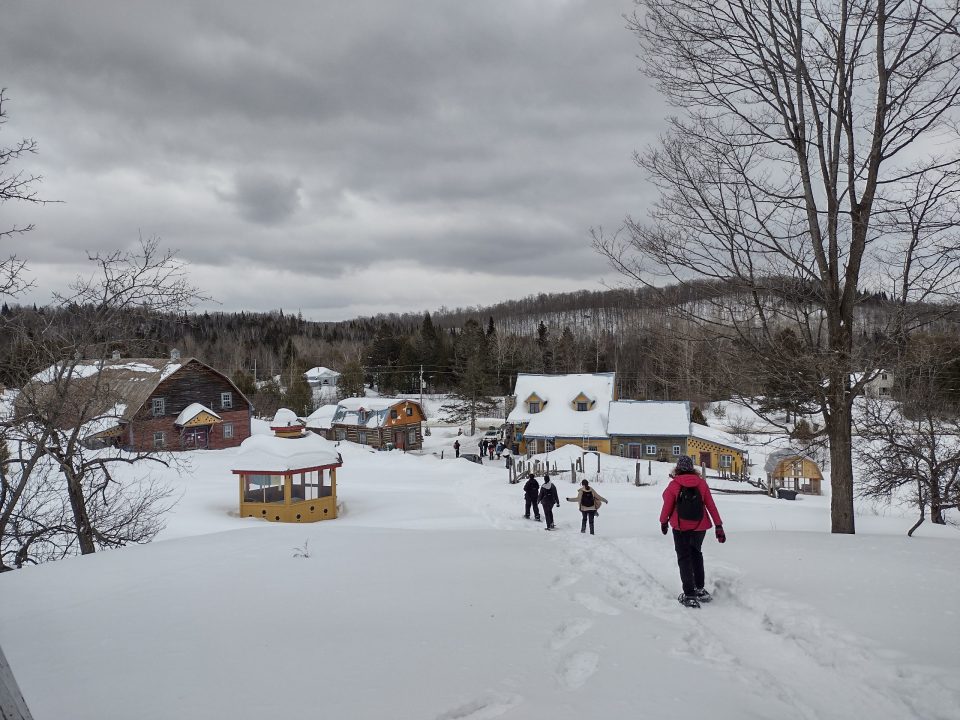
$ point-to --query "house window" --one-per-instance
(412, 437)
(159, 407)
(883, 377)
(726, 461)
(226, 400)
(884, 391)
(362, 437)
(592, 448)
(534, 407)
(650, 449)
(622, 450)
(361, 417)
(409, 412)
(394, 415)
(676, 450)
(581, 407)
(341, 434)
(228, 430)
(159, 439)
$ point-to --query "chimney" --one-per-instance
(115, 355)
(174, 354)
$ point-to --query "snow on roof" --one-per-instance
(716, 436)
(778, 456)
(320, 372)
(322, 417)
(191, 411)
(557, 416)
(271, 454)
(649, 417)
(285, 417)
(376, 409)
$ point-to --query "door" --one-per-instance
(634, 451)
(399, 439)
(705, 459)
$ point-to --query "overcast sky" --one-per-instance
(341, 158)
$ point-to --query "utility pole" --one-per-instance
(421, 386)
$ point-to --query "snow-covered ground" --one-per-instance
(432, 598)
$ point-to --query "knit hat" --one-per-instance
(685, 465)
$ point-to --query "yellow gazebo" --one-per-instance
(288, 480)
(793, 470)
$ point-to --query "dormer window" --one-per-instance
(533, 406)
(582, 407)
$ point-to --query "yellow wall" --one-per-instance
(695, 446)
(323, 508)
(602, 444)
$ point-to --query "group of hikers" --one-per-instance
(688, 509)
(487, 447)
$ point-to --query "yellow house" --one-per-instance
(288, 480)
(556, 410)
(793, 470)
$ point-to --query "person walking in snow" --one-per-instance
(483, 446)
(499, 449)
(456, 447)
(490, 449)
(588, 500)
(688, 507)
(548, 498)
(530, 490)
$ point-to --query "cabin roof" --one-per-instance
(377, 409)
(322, 417)
(556, 417)
(649, 417)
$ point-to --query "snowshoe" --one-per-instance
(689, 601)
(702, 595)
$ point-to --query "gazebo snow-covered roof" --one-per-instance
(649, 417)
(270, 454)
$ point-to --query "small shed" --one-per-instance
(286, 424)
(793, 469)
(286, 480)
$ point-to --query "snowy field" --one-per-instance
(431, 598)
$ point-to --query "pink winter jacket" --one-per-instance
(669, 510)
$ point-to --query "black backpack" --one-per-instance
(587, 500)
(690, 504)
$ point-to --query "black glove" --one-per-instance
(721, 535)
(663, 528)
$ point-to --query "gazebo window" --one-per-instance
(263, 488)
(310, 486)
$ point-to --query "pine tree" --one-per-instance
(350, 382)
(299, 396)
(696, 416)
(471, 396)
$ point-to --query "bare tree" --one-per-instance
(58, 494)
(919, 453)
(15, 185)
(815, 142)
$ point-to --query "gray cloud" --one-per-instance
(263, 198)
(456, 137)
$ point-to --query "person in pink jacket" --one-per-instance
(688, 507)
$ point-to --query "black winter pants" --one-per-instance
(531, 503)
(587, 515)
(548, 513)
(689, 558)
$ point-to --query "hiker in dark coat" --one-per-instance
(456, 447)
(548, 498)
(530, 490)
(588, 500)
(688, 494)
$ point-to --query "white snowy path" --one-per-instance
(432, 598)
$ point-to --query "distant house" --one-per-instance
(379, 422)
(880, 386)
(319, 377)
(145, 404)
(551, 411)
(793, 470)
(320, 421)
(662, 431)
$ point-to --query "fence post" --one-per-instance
(573, 473)
(637, 481)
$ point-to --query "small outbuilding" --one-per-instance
(284, 480)
(795, 470)
(286, 424)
